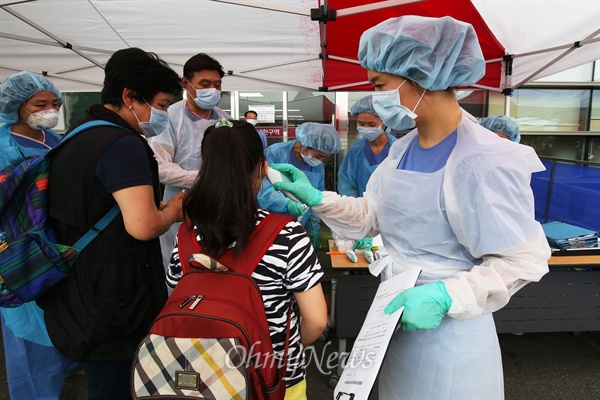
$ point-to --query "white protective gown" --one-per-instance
(177, 150)
(470, 224)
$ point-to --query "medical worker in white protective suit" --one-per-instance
(177, 148)
(314, 143)
(451, 198)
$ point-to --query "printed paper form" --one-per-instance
(366, 357)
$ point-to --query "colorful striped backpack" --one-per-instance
(31, 262)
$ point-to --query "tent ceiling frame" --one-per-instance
(589, 39)
(51, 43)
(52, 75)
(268, 6)
(263, 67)
(12, 3)
(344, 12)
(65, 44)
(258, 78)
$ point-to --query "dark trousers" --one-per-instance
(108, 380)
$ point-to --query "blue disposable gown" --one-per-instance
(356, 168)
(273, 200)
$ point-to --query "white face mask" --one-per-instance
(388, 107)
(369, 133)
(310, 160)
(207, 98)
(252, 122)
(157, 123)
(45, 119)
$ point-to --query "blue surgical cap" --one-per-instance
(321, 137)
(436, 53)
(19, 87)
(503, 124)
(364, 105)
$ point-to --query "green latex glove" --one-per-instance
(291, 172)
(295, 208)
(315, 238)
(299, 186)
(424, 306)
(366, 244)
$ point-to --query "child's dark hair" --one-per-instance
(144, 73)
(222, 202)
(200, 62)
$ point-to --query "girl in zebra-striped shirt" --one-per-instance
(222, 205)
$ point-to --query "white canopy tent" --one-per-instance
(273, 46)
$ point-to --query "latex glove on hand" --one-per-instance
(363, 244)
(299, 186)
(315, 238)
(295, 208)
(424, 306)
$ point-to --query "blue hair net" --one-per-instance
(436, 53)
(19, 87)
(503, 124)
(321, 137)
(364, 105)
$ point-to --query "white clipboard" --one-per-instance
(365, 359)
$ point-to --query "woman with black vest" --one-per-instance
(101, 311)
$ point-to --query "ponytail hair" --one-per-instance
(222, 202)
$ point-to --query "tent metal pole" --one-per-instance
(507, 106)
(51, 75)
(284, 109)
(373, 6)
(262, 67)
(11, 3)
(347, 85)
(267, 6)
(495, 89)
(343, 59)
(51, 43)
(573, 47)
(258, 78)
(66, 45)
(589, 40)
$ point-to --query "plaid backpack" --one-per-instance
(212, 339)
(31, 262)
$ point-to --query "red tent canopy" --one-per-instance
(343, 35)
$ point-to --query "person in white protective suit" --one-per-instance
(177, 148)
(452, 199)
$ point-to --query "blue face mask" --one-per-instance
(158, 121)
(207, 98)
(310, 160)
(393, 114)
(369, 133)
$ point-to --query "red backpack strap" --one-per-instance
(258, 243)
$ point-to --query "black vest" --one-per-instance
(116, 287)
